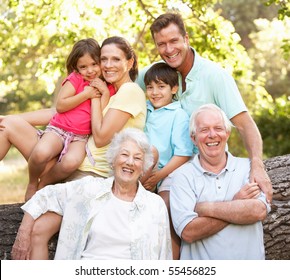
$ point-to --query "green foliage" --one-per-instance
(274, 124)
(242, 14)
(236, 145)
(283, 12)
(37, 36)
(267, 55)
(283, 7)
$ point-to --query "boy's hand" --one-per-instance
(151, 183)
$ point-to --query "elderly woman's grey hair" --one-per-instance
(208, 107)
(131, 134)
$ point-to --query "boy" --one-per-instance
(167, 127)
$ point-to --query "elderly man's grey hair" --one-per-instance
(208, 107)
(131, 134)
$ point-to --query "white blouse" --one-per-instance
(81, 201)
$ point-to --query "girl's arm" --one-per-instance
(68, 100)
(104, 91)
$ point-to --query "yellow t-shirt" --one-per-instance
(130, 98)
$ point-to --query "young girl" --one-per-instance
(66, 135)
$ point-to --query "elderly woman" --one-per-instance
(113, 218)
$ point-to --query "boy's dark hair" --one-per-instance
(81, 48)
(161, 71)
(165, 20)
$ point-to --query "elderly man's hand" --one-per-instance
(250, 190)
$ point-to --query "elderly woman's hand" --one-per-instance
(21, 247)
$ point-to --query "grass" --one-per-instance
(13, 178)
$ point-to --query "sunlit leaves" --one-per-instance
(274, 124)
(37, 36)
(267, 54)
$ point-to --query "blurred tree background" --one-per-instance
(250, 38)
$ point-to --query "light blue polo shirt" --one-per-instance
(167, 130)
(192, 184)
(207, 82)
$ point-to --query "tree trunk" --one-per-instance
(10, 219)
(276, 225)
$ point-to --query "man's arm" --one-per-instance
(202, 227)
(254, 145)
(241, 211)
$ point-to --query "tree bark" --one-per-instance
(276, 225)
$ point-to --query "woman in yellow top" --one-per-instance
(127, 108)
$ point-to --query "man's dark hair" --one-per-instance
(164, 20)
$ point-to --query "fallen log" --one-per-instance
(276, 225)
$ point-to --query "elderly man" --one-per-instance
(215, 210)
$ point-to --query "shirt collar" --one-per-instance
(139, 199)
(230, 165)
(171, 106)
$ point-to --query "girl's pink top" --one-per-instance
(78, 119)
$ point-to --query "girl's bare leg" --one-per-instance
(47, 148)
(44, 228)
(19, 133)
(68, 164)
(38, 117)
(16, 131)
(174, 237)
